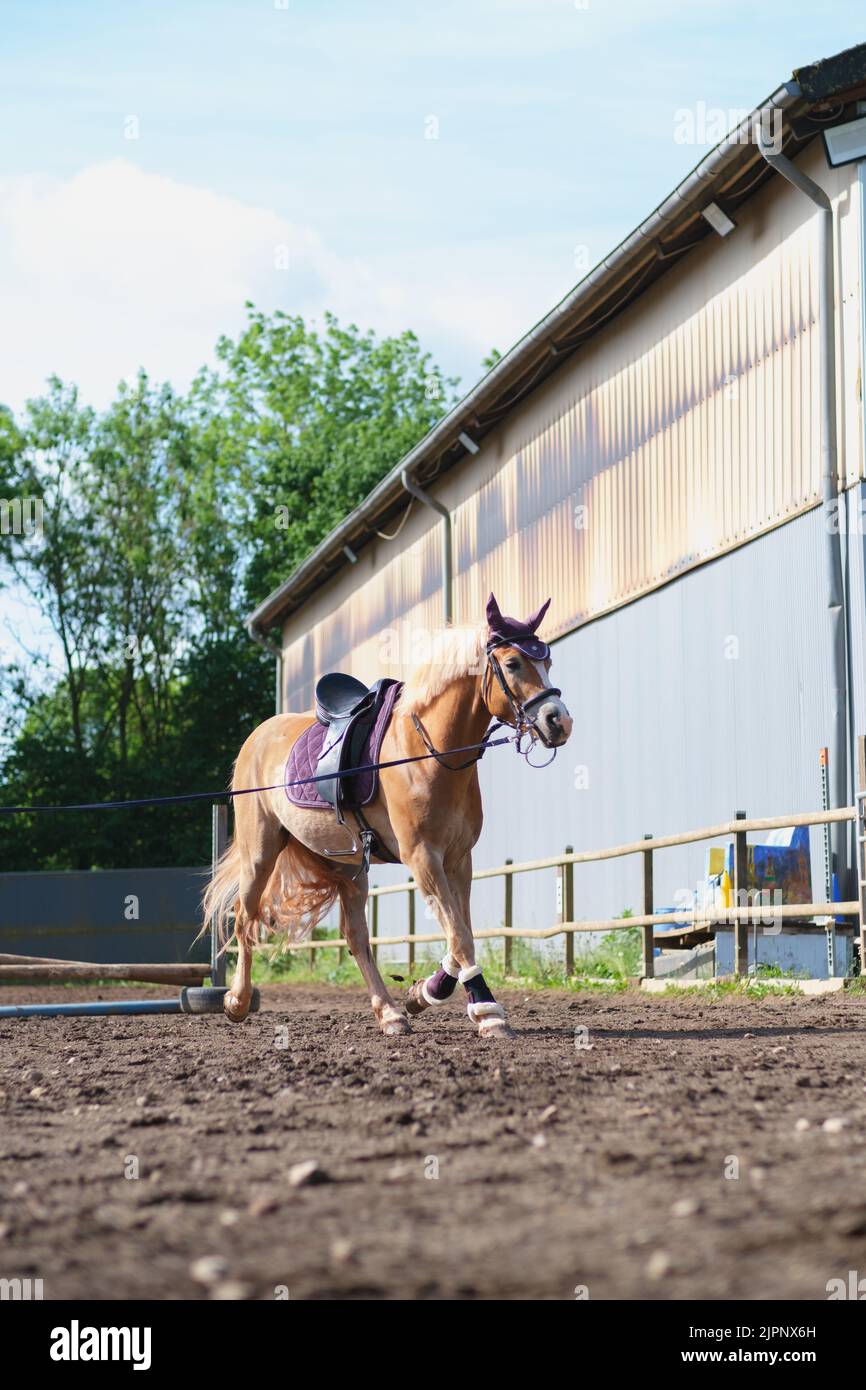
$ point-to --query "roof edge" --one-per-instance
(627, 265)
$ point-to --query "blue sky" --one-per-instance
(267, 134)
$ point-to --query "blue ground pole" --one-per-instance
(109, 1006)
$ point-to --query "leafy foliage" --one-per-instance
(165, 518)
(306, 423)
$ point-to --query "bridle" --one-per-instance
(525, 722)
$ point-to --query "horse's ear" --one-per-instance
(494, 617)
(534, 623)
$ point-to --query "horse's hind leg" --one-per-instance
(236, 1000)
(261, 840)
(353, 899)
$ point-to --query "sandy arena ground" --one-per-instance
(596, 1158)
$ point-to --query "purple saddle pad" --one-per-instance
(304, 757)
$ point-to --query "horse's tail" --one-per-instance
(299, 893)
(221, 895)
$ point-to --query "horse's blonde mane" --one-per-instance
(454, 652)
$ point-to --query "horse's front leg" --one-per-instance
(448, 895)
(353, 903)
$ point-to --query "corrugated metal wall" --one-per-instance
(707, 697)
(687, 449)
(686, 428)
(392, 600)
(83, 915)
(689, 432)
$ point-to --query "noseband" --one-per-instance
(525, 721)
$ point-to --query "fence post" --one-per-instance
(374, 925)
(861, 847)
(648, 932)
(508, 921)
(411, 896)
(568, 910)
(219, 844)
(741, 899)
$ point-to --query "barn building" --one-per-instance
(675, 454)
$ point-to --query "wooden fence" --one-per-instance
(697, 924)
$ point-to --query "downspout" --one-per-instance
(277, 652)
(836, 606)
(447, 572)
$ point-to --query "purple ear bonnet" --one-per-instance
(511, 632)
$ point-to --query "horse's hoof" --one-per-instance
(496, 1029)
(234, 1008)
(395, 1027)
(415, 1002)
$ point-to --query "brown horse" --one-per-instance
(427, 815)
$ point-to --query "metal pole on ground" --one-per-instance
(568, 910)
(830, 925)
(508, 921)
(647, 951)
(374, 925)
(219, 844)
(111, 1006)
(411, 896)
(741, 898)
(861, 847)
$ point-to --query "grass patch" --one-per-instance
(611, 965)
(328, 967)
(755, 986)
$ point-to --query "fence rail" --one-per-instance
(739, 917)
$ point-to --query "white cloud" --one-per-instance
(116, 268)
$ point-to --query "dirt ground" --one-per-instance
(599, 1150)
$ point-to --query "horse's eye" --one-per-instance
(513, 665)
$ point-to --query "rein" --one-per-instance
(487, 742)
(524, 724)
(440, 756)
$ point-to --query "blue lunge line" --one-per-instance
(248, 791)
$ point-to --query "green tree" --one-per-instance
(305, 423)
(165, 517)
(133, 574)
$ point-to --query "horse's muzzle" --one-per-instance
(555, 723)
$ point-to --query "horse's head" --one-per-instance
(517, 684)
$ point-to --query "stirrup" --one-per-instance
(343, 853)
(366, 846)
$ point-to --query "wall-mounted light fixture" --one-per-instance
(845, 143)
(718, 220)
